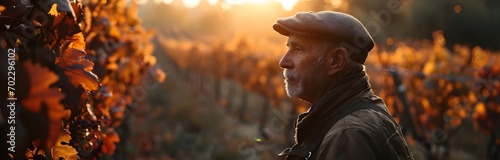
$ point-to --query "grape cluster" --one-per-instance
(85, 133)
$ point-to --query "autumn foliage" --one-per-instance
(71, 95)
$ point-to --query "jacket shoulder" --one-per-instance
(368, 130)
(350, 143)
(367, 120)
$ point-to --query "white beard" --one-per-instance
(292, 91)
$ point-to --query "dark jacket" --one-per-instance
(364, 134)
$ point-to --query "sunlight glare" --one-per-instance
(168, 1)
(141, 2)
(191, 3)
(240, 2)
(233, 2)
(288, 4)
(212, 2)
(335, 3)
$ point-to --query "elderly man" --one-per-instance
(324, 67)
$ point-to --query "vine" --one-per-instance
(67, 57)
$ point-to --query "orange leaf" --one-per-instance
(41, 92)
(77, 41)
(78, 69)
(62, 149)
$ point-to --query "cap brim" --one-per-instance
(281, 29)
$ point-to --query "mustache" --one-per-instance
(289, 74)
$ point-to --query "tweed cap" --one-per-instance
(336, 26)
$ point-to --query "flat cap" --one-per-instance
(336, 26)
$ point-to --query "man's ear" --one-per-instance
(337, 60)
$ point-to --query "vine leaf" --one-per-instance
(109, 141)
(66, 18)
(41, 92)
(56, 6)
(76, 67)
(53, 10)
(62, 149)
(77, 41)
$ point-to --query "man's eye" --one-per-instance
(297, 48)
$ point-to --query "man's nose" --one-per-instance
(286, 62)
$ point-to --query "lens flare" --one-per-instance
(390, 41)
(457, 8)
(191, 3)
(141, 2)
(335, 3)
(168, 1)
(241, 2)
(288, 4)
(212, 2)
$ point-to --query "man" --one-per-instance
(324, 66)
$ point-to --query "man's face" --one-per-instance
(304, 69)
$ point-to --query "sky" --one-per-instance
(473, 23)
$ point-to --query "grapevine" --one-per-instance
(67, 58)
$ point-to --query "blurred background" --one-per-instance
(224, 98)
